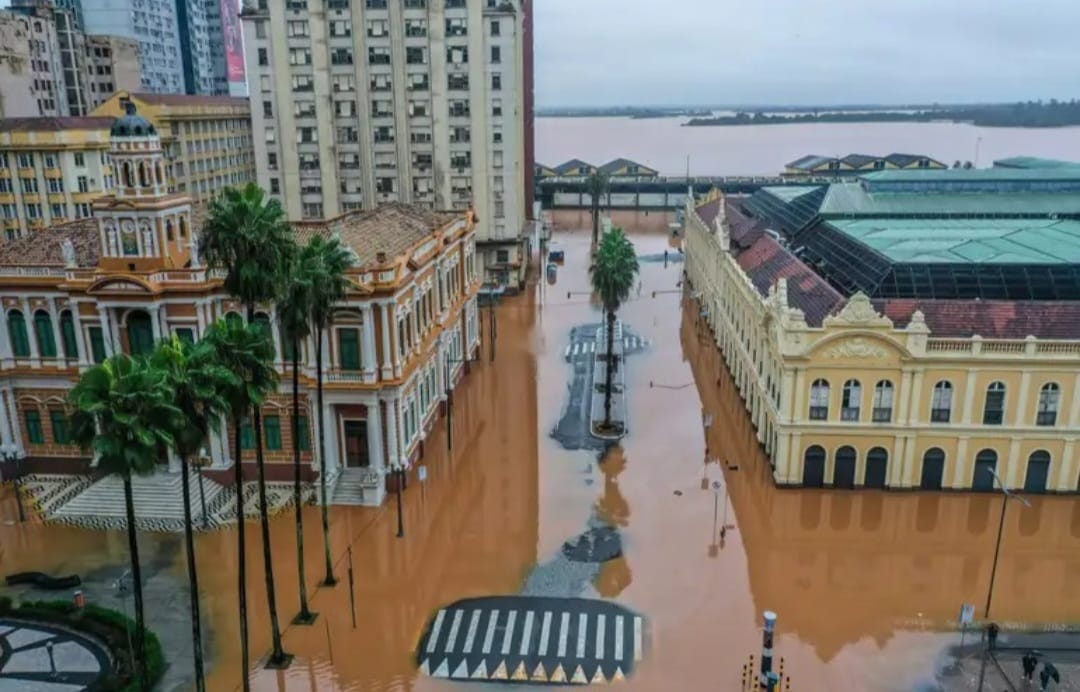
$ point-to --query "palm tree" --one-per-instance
(294, 312)
(330, 260)
(246, 234)
(612, 275)
(198, 383)
(246, 351)
(597, 185)
(122, 412)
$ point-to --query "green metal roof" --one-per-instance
(789, 193)
(974, 174)
(852, 199)
(1034, 162)
(977, 241)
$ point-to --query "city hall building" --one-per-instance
(75, 293)
(908, 329)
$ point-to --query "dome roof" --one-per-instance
(132, 124)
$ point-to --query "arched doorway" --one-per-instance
(844, 471)
(877, 468)
(1038, 471)
(813, 475)
(982, 479)
(140, 333)
(933, 468)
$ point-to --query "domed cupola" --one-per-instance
(136, 155)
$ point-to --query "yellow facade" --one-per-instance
(208, 139)
(882, 385)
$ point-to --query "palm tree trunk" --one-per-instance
(304, 617)
(138, 665)
(329, 579)
(193, 580)
(278, 657)
(241, 552)
(595, 219)
(609, 375)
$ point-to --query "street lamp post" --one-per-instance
(399, 477)
(449, 391)
(10, 454)
(1007, 495)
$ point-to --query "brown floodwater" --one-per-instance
(864, 583)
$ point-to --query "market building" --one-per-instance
(74, 293)
(910, 329)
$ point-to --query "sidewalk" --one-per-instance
(1003, 668)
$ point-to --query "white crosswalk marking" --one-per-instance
(600, 636)
(490, 636)
(637, 638)
(509, 632)
(434, 638)
(545, 630)
(564, 632)
(526, 634)
(454, 630)
(618, 637)
(474, 624)
(583, 625)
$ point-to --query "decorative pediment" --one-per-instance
(120, 284)
(422, 252)
(858, 311)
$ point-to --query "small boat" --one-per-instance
(552, 273)
(556, 255)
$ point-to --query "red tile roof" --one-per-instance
(55, 124)
(990, 319)
(42, 248)
(767, 260)
(744, 230)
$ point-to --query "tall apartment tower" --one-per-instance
(360, 102)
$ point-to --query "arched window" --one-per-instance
(140, 333)
(233, 318)
(941, 402)
(849, 403)
(183, 226)
(168, 230)
(933, 469)
(1038, 472)
(20, 342)
(43, 330)
(877, 468)
(985, 466)
(844, 467)
(160, 174)
(883, 401)
(262, 320)
(1049, 397)
(144, 177)
(819, 400)
(125, 172)
(814, 467)
(994, 409)
(67, 332)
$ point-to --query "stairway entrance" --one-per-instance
(356, 444)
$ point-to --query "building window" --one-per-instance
(302, 433)
(264, 57)
(61, 432)
(850, 402)
(268, 109)
(415, 56)
(349, 348)
(83, 183)
(247, 435)
(883, 402)
(819, 400)
(44, 333)
(312, 210)
(495, 28)
(496, 82)
(1049, 396)
(80, 159)
(97, 344)
(67, 333)
(941, 402)
(275, 186)
(994, 410)
(272, 430)
(20, 342)
(33, 428)
(496, 54)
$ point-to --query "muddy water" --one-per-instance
(861, 582)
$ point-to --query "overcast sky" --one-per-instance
(642, 52)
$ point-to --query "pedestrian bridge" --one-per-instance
(532, 639)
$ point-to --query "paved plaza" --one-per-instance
(40, 658)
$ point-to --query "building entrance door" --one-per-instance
(356, 444)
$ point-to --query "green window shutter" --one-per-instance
(97, 344)
(20, 343)
(33, 428)
(272, 429)
(140, 334)
(247, 436)
(67, 331)
(302, 434)
(59, 422)
(186, 334)
(264, 323)
(233, 319)
(44, 333)
(349, 348)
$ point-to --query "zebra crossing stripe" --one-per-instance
(618, 637)
(539, 674)
(567, 353)
(598, 677)
(618, 676)
(526, 635)
(499, 672)
(462, 671)
(579, 677)
(434, 639)
(545, 630)
(443, 671)
(558, 675)
(600, 636)
(520, 674)
(481, 671)
(509, 632)
(563, 632)
(424, 668)
(473, 625)
(454, 630)
(490, 636)
(637, 638)
(583, 626)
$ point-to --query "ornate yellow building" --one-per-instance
(74, 293)
(898, 391)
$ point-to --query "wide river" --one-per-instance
(664, 144)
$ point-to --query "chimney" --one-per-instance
(380, 257)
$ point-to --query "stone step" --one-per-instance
(159, 496)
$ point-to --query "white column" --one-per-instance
(58, 339)
(959, 463)
(200, 319)
(387, 367)
(368, 355)
(330, 438)
(155, 322)
(275, 327)
(327, 336)
(219, 454)
(80, 338)
(6, 438)
(1066, 480)
(1012, 468)
(392, 433)
(374, 435)
(106, 331)
(969, 398)
(28, 317)
(1022, 417)
(5, 338)
(16, 429)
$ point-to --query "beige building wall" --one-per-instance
(112, 64)
(17, 95)
(776, 358)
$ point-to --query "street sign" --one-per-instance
(421, 472)
(967, 613)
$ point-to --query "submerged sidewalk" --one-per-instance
(1002, 669)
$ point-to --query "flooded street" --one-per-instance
(863, 583)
